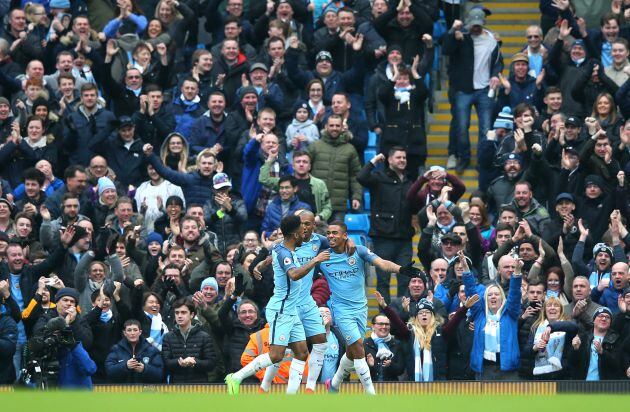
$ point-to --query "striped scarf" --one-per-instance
(549, 360)
(423, 363)
(158, 330)
(492, 337)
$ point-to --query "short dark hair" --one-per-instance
(507, 208)
(152, 87)
(395, 149)
(34, 174)
(503, 226)
(132, 322)
(551, 90)
(302, 153)
(72, 170)
(288, 178)
(339, 223)
(67, 76)
(185, 301)
(89, 86)
(290, 225)
(67, 196)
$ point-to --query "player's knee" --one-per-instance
(300, 354)
(276, 355)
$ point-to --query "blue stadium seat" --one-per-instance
(372, 140)
(369, 154)
(357, 223)
(358, 239)
(367, 201)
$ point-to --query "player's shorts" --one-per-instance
(351, 323)
(311, 319)
(284, 328)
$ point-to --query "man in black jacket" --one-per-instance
(187, 351)
(601, 345)
(390, 220)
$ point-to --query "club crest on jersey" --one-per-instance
(334, 347)
(314, 248)
(282, 338)
(351, 261)
(287, 260)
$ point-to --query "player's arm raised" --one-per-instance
(386, 265)
(299, 273)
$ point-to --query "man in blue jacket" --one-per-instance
(197, 185)
(285, 204)
(608, 291)
(133, 359)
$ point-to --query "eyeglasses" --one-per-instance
(382, 324)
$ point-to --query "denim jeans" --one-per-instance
(463, 107)
(397, 251)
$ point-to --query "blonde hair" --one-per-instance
(485, 299)
(424, 335)
(176, 14)
(183, 158)
(542, 316)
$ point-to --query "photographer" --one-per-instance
(75, 365)
(170, 286)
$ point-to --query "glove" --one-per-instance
(409, 270)
(238, 285)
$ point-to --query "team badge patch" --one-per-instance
(348, 337)
(282, 338)
(314, 248)
(287, 260)
(334, 347)
(351, 261)
(145, 360)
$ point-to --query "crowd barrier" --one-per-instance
(396, 388)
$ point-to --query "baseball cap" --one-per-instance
(323, 55)
(221, 180)
(476, 17)
(259, 66)
(565, 196)
(124, 121)
(573, 121)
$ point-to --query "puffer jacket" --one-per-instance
(510, 354)
(336, 162)
(196, 188)
(185, 115)
(116, 363)
(226, 225)
(80, 129)
(390, 212)
(274, 213)
(198, 344)
(237, 335)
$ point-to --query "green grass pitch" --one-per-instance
(123, 402)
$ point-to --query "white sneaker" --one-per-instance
(451, 163)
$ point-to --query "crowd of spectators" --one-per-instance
(149, 150)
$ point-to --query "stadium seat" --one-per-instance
(358, 239)
(367, 201)
(372, 140)
(357, 223)
(369, 154)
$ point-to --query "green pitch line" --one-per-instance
(96, 402)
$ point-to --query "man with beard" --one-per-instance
(528, 208)
(501, 189)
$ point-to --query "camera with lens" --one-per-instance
(42, 367)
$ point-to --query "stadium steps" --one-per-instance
(510, 20)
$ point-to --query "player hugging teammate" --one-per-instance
(293, 316)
